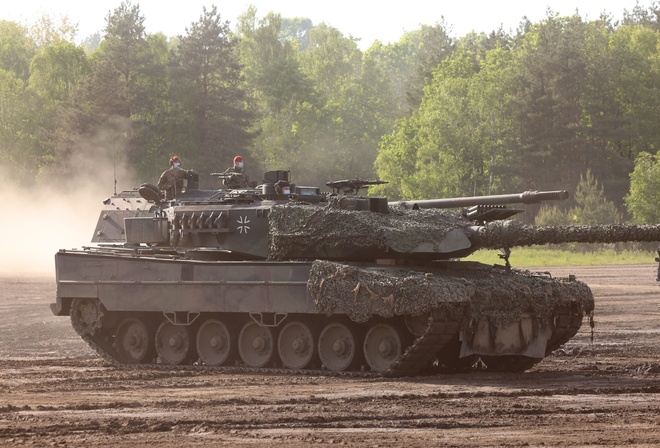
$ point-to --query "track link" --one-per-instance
(567, 324)
(442, 328)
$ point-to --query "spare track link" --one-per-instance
(425, 349)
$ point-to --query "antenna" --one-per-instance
(114, 168)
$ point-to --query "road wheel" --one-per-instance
(214, 343)
(382, 347)
(295, 345)
(134, 341)
(255, 344)
(337, 347)
(173, 343)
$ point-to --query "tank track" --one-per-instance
(567, 324)
(424, 350)
(416, 358)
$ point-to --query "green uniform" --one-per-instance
(170, 179)
(238, 180)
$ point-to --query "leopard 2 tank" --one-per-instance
(318, 283)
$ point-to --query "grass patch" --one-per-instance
(528, 256)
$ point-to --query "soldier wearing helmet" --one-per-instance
(171, 181)
(237, 177)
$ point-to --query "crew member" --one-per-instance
(237, 178)
(171, 181)
(282, 187)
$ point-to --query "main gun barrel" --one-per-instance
(515, 234)
(527, 197)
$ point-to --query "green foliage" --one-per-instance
(57, 71)
(16, 49)
(458, 138)
(592, 206)
(297, 30)
(643, 201)
(206, 82)
(47, 30)
(552, 215)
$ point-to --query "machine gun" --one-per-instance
(352, 186)
(228, 176)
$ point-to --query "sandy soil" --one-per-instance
(55, 392)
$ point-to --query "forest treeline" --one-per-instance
(563, 103)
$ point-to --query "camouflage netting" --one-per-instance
(512, 233)
(296, 228)
(497, 295)
(361, 292)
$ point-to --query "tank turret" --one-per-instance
(426, 230)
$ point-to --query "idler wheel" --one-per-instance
(337, 347)
(295, 345)
(214, 343)
(173, 343)
(418, 324)
(255, 344)
(134, 341)
(382, 347)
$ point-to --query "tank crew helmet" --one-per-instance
(238, 162)
(175, 162)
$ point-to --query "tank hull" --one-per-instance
(321, 317)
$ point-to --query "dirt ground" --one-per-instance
(55, 392)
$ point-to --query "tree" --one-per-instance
(46, 30)
(592, 206)
(58, 70)
(281, 95)
(458, 139)
(206, 86)
(432, 45)
(270, 63)
(14, 140)
(16, 49)
(351, 112)
(119, 63)
(644, 197)
(548, 99)
(297, 30)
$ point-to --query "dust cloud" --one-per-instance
(59, 213)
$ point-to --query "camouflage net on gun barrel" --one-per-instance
(490, 293)
(513, 233)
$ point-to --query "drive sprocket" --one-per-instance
(87, 316)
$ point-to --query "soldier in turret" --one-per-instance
(237, 178)
(171, 181)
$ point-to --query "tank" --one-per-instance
(314, 282)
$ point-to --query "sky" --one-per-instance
(367, 20)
